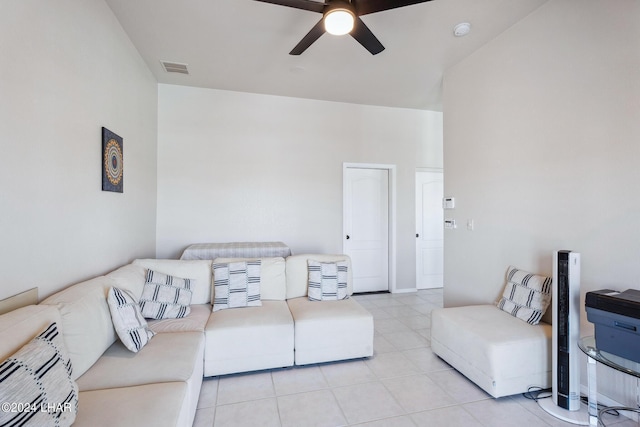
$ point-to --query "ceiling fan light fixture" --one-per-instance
(339, 21)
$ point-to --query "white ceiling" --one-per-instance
(243, 45)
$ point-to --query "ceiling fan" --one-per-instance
(341, 17)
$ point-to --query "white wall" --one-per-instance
(242, 167)
(67, 70)
(542, 142)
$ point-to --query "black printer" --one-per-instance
(616, 316)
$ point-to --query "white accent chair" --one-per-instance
(502, 354)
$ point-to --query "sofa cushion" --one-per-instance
(39, 374)
(236, 284)
(86, 321)
(331, 330)
(127, 319)
(194, 322)
(298, 276)
(327, 280)
(526, 295)
(273, 282)
(167, 357)
(198, 270)
(165, 296)
(157, 405)
(249, 339)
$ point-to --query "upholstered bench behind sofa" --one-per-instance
(501, 353)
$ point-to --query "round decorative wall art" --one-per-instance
(112, 161)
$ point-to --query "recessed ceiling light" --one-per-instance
(462, 29)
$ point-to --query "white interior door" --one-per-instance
(366, 227)
(429, 231)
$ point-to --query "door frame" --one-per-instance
(392, 212)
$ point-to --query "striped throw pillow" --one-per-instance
(327, 280)
(127, 319)
(165, 296)
(526, 295)
(236, 284)
(36, 384)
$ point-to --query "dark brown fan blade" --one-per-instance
(365, 37)
(308, 40)
(364, 7)
(313, 6)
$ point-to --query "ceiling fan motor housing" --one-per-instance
(339, 17)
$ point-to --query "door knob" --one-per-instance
(348, 237)
(417, 235)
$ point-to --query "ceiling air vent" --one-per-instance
(174, 67)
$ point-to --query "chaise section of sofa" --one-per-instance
(158, 404)
(158, 385)
(173, 360)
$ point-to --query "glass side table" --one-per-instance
(588, 347)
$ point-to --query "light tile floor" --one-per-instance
(403, 384)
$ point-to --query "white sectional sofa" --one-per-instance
(160, 384)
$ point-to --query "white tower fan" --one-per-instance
(566, 330)
(565, 354)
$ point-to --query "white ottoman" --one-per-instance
(502, 354)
